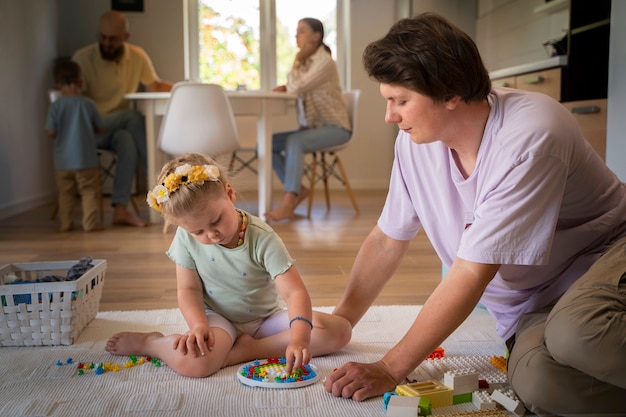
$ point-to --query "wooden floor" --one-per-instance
(140, 276)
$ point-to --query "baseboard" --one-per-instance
(14, 208)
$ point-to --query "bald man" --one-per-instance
(111, 68)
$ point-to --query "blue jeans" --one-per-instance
(125, 136)
(289, 148)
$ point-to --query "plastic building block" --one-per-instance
(475, 413)
(508, 399)
(401, 406)
(463, 381)
(438, 394)
(437, 353)
(483, 401)
(499, 362)
(386, 398)
(462, 398)
(435, 368)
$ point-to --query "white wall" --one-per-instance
(460, 12)
(158, 29)
(28, 31)
(509, 33)
(616, 125)
(368, 159)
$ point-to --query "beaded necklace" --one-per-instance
(244, 225)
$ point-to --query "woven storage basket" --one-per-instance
(47, 313)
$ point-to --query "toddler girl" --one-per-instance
(230, 267)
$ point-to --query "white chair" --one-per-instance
(198, 119)
(244, 157)
(333, 168)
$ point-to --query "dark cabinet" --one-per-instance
(586, 75)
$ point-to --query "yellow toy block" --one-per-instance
(499, 362)
(438, 394)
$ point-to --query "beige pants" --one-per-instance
(571, 361)
(87, 182)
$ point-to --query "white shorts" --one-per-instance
(275, 323)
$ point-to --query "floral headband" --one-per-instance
(184, 174)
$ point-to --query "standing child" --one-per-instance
(73, 120)
(230, 266)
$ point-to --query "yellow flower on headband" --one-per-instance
(184, 174)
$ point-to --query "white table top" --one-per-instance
(230, 93)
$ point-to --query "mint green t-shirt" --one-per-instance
(238, 283)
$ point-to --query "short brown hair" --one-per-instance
(431, 56)
(66, 71)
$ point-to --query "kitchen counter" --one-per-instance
(556, 61)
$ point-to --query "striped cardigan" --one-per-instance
(316, 82)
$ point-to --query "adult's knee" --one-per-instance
(122, 143)
(591, 341)
(530, 377)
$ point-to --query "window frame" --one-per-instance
(267, 27)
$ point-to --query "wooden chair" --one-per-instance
(329, 161)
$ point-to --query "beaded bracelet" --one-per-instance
(301, 318)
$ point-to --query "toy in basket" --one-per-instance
(36, 313)
(271, 373)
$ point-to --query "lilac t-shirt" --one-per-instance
(540, 201)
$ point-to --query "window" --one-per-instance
(251, 43)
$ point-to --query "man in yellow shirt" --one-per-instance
(111, 68)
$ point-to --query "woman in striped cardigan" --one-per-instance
(322, 116)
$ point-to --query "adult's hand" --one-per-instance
(360, 381)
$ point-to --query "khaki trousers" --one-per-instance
(571, 361)
(87, 182)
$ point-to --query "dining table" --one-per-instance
(264, 105)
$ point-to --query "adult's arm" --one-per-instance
(376, 262)
(160, 86)
(318, 71)
(448, 306)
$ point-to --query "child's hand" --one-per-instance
(296, 356)
(197, 341)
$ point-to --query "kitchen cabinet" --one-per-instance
(590, 114)
(580, 79)
(546, 81)
(592, 117)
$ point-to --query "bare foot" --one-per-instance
(130, 343)
(122, 216)
(287, 206)
(304, 193)
(279, 214)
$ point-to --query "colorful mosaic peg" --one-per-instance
(271, 373)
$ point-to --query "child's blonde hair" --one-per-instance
(189, 193)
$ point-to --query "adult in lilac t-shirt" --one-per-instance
(527, 216)
(536, 203)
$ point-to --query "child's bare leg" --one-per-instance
(157, 345)
(330, 333)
